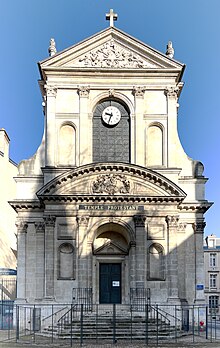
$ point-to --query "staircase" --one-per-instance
(115, 322)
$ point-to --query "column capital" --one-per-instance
(139, 220)
(22, 226)
(138, 91)
(40, 227)
(83, 91)
(199, 226)
(172, 92)
(172, 220)
(51, 91)
(50, 220)
(82, 220)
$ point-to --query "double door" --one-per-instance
(110, 283)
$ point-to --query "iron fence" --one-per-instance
(71, 324)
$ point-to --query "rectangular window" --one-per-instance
(212, 259)
(213, 301)
(213, 280)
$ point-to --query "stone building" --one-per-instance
(212, 267)
(110, 202)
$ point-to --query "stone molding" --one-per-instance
(172, 220)
(181, 227)
(83, 91)
(50, 220)
(199, 227)
(138, 91)
(111, 55)
(40, 227)
(82, 220)
(139, 220)
(111, 184)
(22, 227)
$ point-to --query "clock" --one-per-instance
(111, 115)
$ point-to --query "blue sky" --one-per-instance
(193, 26)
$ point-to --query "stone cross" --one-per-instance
(111, 16)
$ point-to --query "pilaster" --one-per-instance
(199, 227)
(49, 257)
(50, 128)
(172, 225)
(83, 222)
(40, 231)
(21, 257)
(139, 221)
(138, 92)
(83, 92)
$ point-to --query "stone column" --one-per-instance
(172, 135)
(139, 221)
(83, 222)
(50, 128)
(40, 230)
(138, 92)
(49, 257)
(84, 134)
(172, 225)
(21, 259)
(199, 260)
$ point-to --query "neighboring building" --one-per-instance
(212, 268)
(110, 202)
(8, 231)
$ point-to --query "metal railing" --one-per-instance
(72, 324)
(139, 297)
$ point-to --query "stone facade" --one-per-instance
(8, 170)
(110, 201)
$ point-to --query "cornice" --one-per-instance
(200, 207)
(26, 205)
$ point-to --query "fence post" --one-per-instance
(207, 322)
(157, 324)
(52, 323)
(114, 326)
(17, 323)
(81, 325)
(71, 328)
(146, 319)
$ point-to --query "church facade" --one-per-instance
(110, 203)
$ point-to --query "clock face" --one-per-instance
(111, 115)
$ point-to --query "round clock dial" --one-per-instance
(111, 115)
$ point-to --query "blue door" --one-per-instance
(110, 283)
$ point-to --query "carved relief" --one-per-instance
(83, 220)
(111, 184)
(111, 55)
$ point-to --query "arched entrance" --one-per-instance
(111, 251)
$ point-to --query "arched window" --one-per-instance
(66, 261)
(67, 145)
(154, 146)
(156, 264)
(111, 132)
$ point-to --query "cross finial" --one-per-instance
(111, 16)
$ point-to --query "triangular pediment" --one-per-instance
(106, 180)
(110, 248)
(110, 49)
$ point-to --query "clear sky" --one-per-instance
(193, 26)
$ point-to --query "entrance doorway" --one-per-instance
(110, 283)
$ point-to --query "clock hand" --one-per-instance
(110, 117)
(107, 113)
